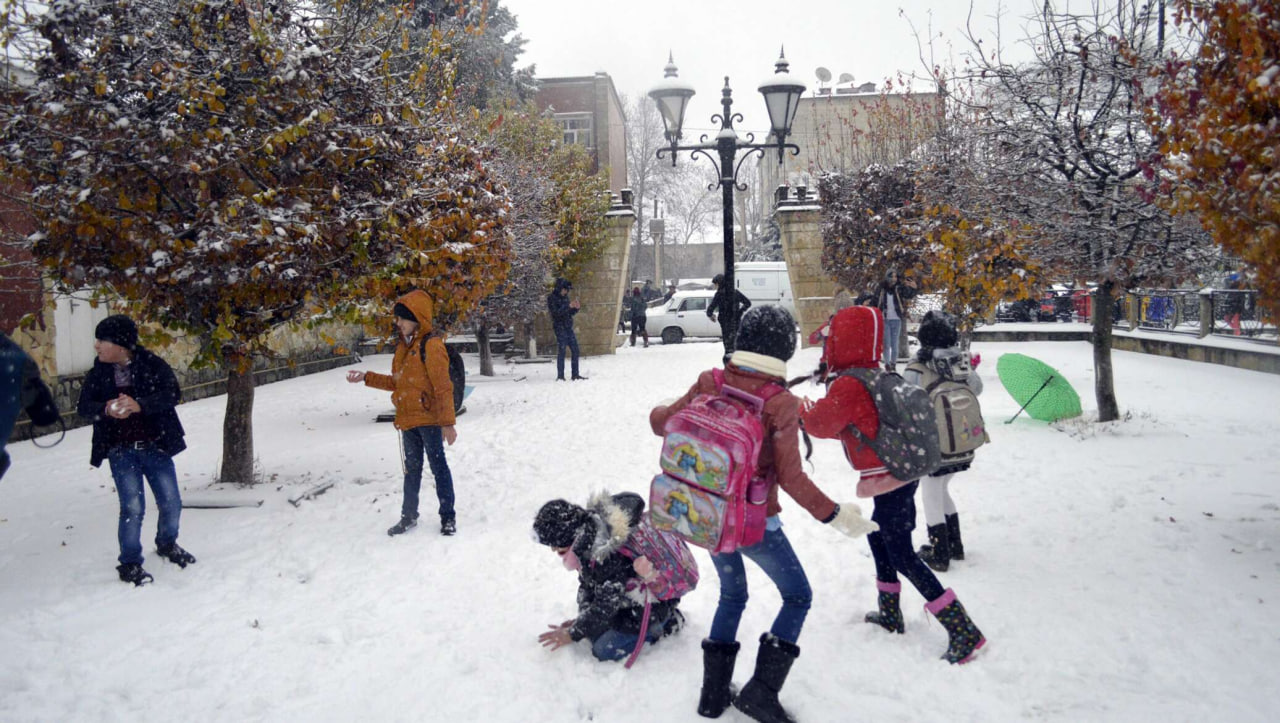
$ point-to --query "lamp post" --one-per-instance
(781, 93)
(656, 228)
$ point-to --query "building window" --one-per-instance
(577, 128)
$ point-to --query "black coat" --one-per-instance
(558, 307)
(637, 306)
(155, 387)
(718, 304)
(21, 389)
(604, 601)
(901, 292)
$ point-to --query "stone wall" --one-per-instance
(800, 219)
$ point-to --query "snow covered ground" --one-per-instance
(1121, 572)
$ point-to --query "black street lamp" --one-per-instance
(781, 93)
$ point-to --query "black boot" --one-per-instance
(405, 524)
(759, 697)
(175, 554)
(937, 554)
(965, 637)
(889, 616)
(133, 572)
(953, 535)
(717, 677)
(448, 526)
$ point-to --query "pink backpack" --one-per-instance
(709, 491)
(677, 571)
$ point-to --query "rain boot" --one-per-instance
(937, 554)
(717, 677)
(759, 697)
(889, 616)
(965, 638)
(953, 537)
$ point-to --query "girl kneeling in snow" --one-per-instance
(610, 609)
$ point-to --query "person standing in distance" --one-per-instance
(562, 311)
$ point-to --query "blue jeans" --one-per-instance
(616, 645)
(892, 331)
(128, 467)
(566, 340)
(431, 441)
(891, 547)
(774, 555)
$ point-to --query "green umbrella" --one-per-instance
(1038, 387)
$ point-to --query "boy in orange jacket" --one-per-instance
(423, 396)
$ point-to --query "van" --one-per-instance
(765, 282)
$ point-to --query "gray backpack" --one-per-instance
(956, 411)
(907, 441)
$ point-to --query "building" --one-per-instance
(590, 112)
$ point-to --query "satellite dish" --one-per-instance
(845, 78)
(824, 75)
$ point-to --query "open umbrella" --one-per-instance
(1038, 387)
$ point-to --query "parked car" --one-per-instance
(685, 315)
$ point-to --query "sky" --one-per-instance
(741, 38)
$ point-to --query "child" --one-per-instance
(766, 340)
(855, 342)
(610, 607)
(938, 342)
(423, 395)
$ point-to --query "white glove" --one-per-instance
(850, 521)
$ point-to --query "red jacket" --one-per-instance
(855, 342)
(781, 450)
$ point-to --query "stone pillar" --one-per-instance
(602, 283)
(800, 220)
(1206, 313)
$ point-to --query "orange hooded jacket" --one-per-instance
(421, 391)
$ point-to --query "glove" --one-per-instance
(975, 360)
(850, 521)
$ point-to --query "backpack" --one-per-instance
(457, 371)
(961, 429)
(709, 491)
(677, 571)
(907, 442)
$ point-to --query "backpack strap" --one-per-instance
(644, 632)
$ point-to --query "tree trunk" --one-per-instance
(237, 427)
(486, 355)
(1103, 379)
(531, 341)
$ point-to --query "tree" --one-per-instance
(1215, 117)
(866, 226)
(234, 167)
(1065, 146)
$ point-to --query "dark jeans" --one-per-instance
(638, 327)
(570, 340)
(431, 441)
(891, 548)
(128, 468)
(774, 555)
(616, 645)
(728, 335)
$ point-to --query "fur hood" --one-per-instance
(610, 520)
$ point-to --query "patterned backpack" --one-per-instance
(961, 429)
(907, 441)
(672, 560)
(709, 492)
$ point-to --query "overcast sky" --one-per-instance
(741, 39)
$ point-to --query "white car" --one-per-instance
(684, 316)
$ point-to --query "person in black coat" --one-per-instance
(637, 306)
(890, 298)
(719, 303)
(130, 395)
(562, 311)
(610, 606)
(21, 389)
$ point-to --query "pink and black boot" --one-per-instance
(965, 637)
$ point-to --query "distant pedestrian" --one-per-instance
(562, 310)
(130, 395)
(1235, 298)
(890, 298)
(649, 292)
(21, 389)
(422, 391)
(637, 307)
(722, 309)
(671, 291)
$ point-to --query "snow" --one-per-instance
(1121, 572)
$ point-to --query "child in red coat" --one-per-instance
(854, 341)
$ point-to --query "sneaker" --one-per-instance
(133, 572)
(448, 527)
(579, 377)
(176, 555)
(404, 525)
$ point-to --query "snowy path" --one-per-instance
(1121, 573)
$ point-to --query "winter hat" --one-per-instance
(119, 330)
(767, 330)
(937, 330)
(558, 523)
(404, 312)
